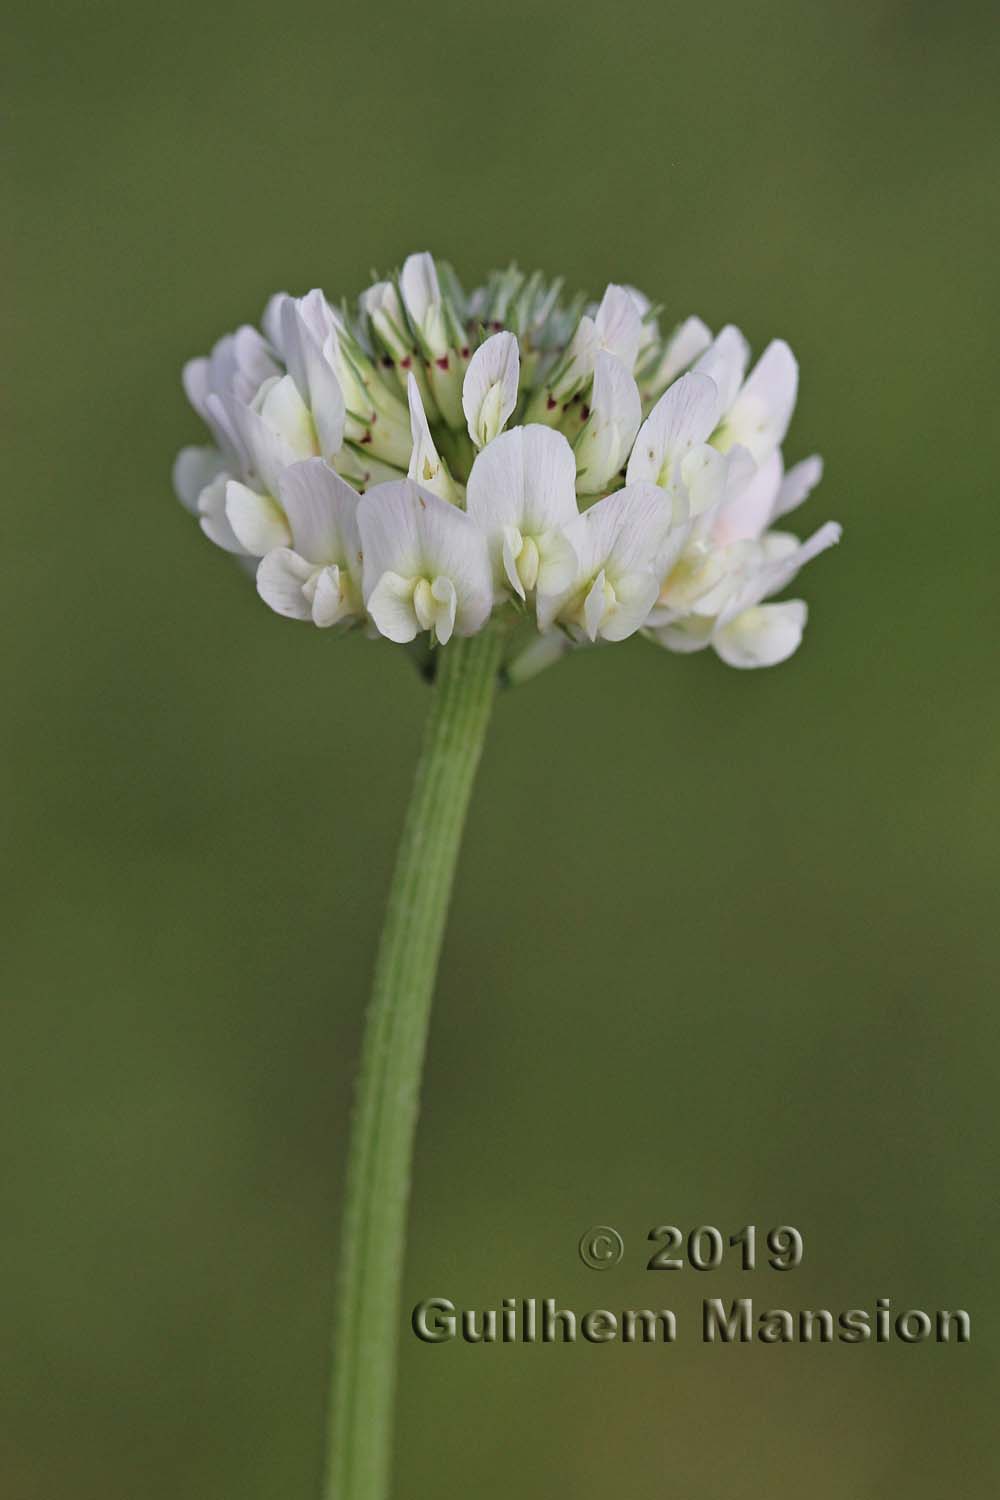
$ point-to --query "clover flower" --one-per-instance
(429, 459)
(510, 476)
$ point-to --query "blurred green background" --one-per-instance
(723, 948)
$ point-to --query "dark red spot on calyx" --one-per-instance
(442, 363)
(551, 404)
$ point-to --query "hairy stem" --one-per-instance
(381, 1149)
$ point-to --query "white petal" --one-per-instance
(513, 542)
(280, 578)
(549, 480)
(618, 322)
(580, 358)
(623, 533)
(635, 596)
(828, 535)
(525, 478)
(594, 606)
(258, 522)
(265, 451)
(194, 378)
(270, 320)
(318, 316)
(419, 285)
(425, 462)
(782, 560)
(652, 527)
(322, 512)
(630, 539)
(524, 481)
(308, 341)
(686, 414)
(746, 514)
(615, 414)
(698, 580)
(650, 330)
(254, 363)
(426, 467)
(382, 297)
(797, 485)
(194, 468)
(238, 365)
(385, 314)
(391, 535)
(642, 302)
(224, 431)
(330, 603)
(283, 410)
(726, 362)
(212, 515)
(703, 475)
(414, 534)
(777, 546)
(446, 597)
(222, 368)
(760, 415)
(421, 291)
(685, 636)
(489, 391)
(762, 636)
(283, 318)
(683, 347)
(558, 563)
(390, 605)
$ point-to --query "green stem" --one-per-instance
(381, 1149)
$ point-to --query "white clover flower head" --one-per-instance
(430, 462)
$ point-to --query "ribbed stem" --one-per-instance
(381, 1149)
